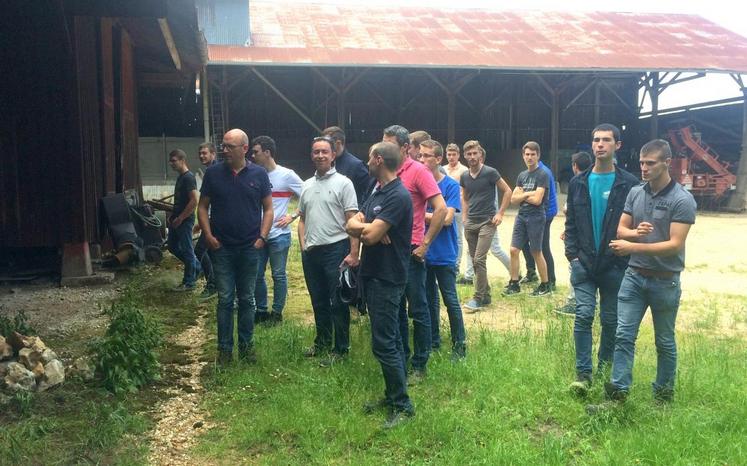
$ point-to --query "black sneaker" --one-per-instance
(224, 358)
(615, 394)
(261, 317)
(416, 376)
(464, 281)
(332, 359)
(530, 277)
(581, 386)
(275, 318)
(566, 310)
(663, 396)
(314, 351)
(458, 352)
(248, 355)
(542, 290)
(397, 417)
(513, 287)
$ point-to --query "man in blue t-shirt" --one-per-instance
(550, 212)
(440, 260)
(596, 198)
(384, 227)
(237, 194)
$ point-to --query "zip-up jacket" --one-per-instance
(579, 231)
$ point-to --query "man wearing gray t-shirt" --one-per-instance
(652, 231)
(481, 219)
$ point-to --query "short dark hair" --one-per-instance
(207, 145)
(336, 133)
(399, 132)
(417, 137)
(582, 160)
(532, 145)
(177, 154)
(266, 143)
(438, 149)
(326, 139)
(607, 127)
(389, 153)
(658, 146)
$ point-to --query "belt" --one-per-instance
(648, 273)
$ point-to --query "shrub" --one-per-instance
(19, 324)
(126, 357)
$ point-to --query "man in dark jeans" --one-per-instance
(327, 202)
(237, 195)
(550, 212)
(384, 227)
(440, 261)
(182, 220)
(206, 153)
(424, 192)
(596, 198)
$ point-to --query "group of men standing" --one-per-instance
(400, 222)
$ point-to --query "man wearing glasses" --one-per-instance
(238, 196)
(182, 220)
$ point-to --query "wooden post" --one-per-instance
(205, 93)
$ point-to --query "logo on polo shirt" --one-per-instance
(377, 210)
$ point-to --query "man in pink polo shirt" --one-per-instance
(424, 191)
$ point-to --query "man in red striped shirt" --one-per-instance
(285, 184)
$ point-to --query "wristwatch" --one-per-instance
(264, 240)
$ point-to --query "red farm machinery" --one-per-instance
(698, 168)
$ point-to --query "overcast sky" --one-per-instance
(731, 14)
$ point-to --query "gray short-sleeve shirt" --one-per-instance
(324, 201)
(481, 193)
(673, 204)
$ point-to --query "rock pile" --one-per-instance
(27, 364)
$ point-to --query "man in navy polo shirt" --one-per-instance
(237, 194)
(385, 227)
(348, 164)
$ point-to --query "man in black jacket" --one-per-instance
(596, 199)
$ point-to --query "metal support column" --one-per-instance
(205, 93)
(654, 92)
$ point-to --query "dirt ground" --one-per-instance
(716, 265)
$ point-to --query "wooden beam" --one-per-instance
(166, 32)
(162, 79)
(614, 92)
(580, 94)
(286, 100)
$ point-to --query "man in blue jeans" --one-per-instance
(384, 227)
(440, 261)
(596, 198)
(182, 220)
(328, 200)
(652, 231)
(285, 184)
(207, 154)
(237, 195)
(424, 192)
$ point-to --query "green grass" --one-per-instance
(506, 404)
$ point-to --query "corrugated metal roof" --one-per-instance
(224, 22)
(287, 33)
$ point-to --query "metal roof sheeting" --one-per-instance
(288, 33)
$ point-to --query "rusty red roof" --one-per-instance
(305, 34)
